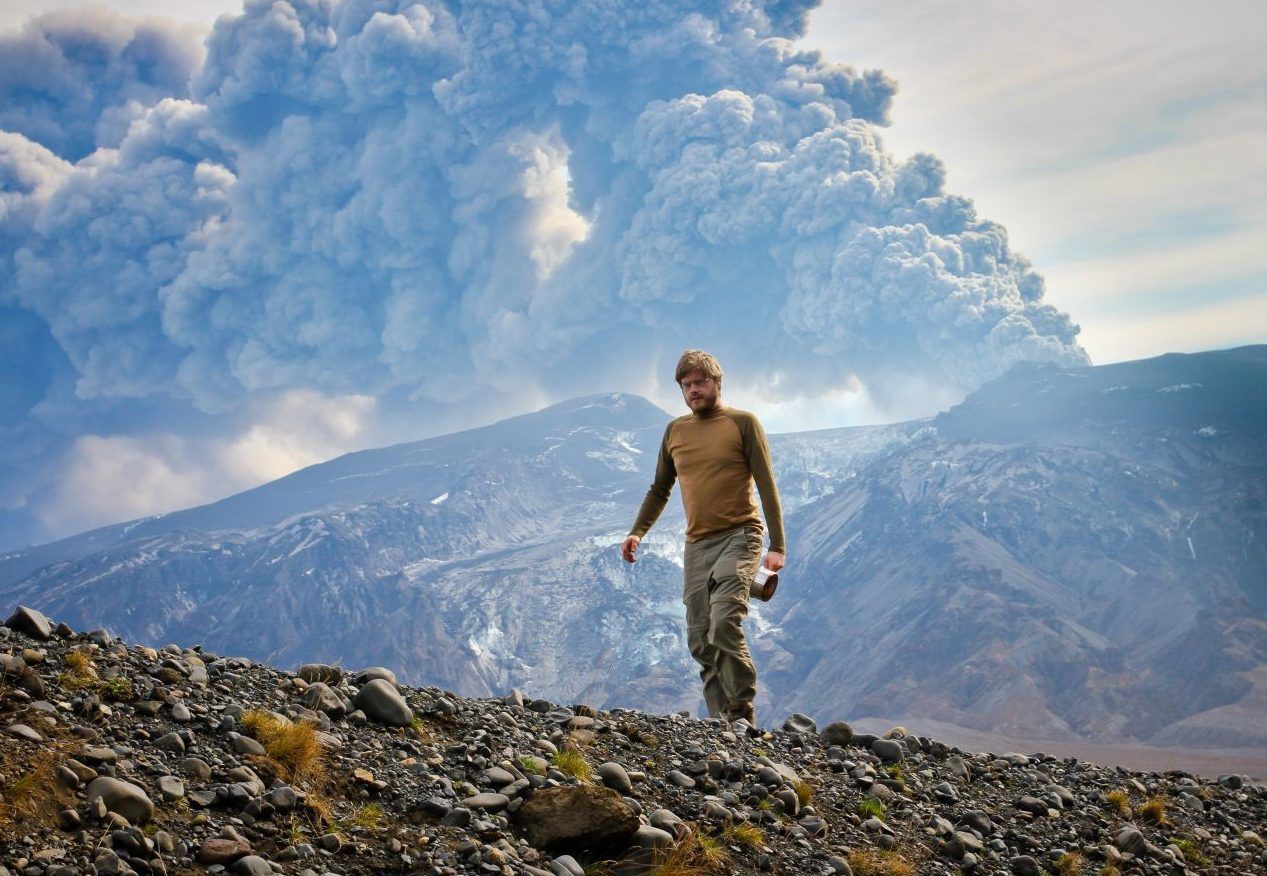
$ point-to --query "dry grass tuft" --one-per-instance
(696, 855)
(804, 792)
(1120, 801)
(420, 731)
(31, 793)
(294, 748)
(1068, 864)
(574, 764)
(80, 671)
(879, 862)
(1153, 811)
(319, 807)
(79, 663)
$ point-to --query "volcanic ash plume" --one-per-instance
(366, 195)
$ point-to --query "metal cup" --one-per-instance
(764, 583)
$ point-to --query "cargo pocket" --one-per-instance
(747, 565)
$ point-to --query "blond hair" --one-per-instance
(698, 360)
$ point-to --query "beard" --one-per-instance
(704, 402)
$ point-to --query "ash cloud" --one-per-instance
(454, 200)
(73, 80)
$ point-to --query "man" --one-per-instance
(717, 452)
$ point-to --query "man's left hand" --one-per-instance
(774, 561)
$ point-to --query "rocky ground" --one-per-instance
(118, 759)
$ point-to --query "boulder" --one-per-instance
(320, 672)
(373, 672)
(29, 621)
(320, 697)
(125, 798)
(798, 723)
(582, 817)
(837, 733)
(381, 702)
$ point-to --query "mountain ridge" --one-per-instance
(1092, 579)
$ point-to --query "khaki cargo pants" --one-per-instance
(717, 575)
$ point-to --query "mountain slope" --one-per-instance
(1067, 554)
(473, 561)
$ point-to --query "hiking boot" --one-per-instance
(744, 711)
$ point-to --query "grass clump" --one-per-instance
(743, 834)
(80, 671)
(419, 728)
(1153, 811)
(804, 792)
(574, 764)
(870, 807)
(1068, 864)
(1119, 801)
(696, 855)
(294, 831)
(79, 663)
(118, 689)
(294, 747)
(29, 790)
(895, 772)
(1191, 852)
(368, 817)
(529, 765)
(879, 862)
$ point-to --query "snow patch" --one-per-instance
(762, 627)
(1115, 388)
(1207, 432)
(440, 499)
(1179, 387)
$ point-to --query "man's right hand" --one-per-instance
(629, 547)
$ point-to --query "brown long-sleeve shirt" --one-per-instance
(717, 457)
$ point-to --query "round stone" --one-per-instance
(125, 798)
(252, 865)
(171, 788)
(488, 802)
(22, 731)
(837, 733)
(196, 768)
(170, 742)
(381, 702)
(373, 672)
(614, 776)
(888, 750)
(798, 723)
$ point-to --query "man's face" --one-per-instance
(700, 393)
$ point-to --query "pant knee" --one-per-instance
(699, 643)
(725, 628)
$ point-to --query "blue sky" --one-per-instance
(332, 226)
